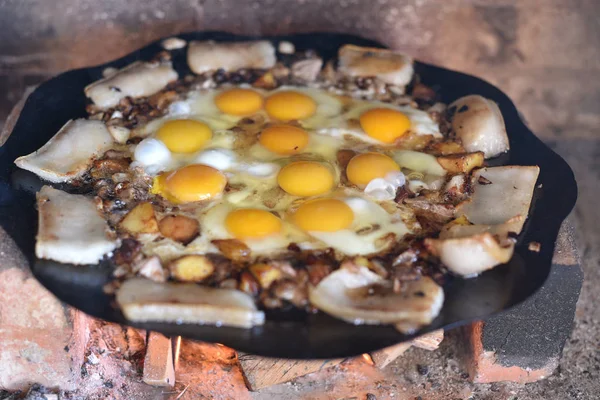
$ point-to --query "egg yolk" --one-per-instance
(365, 167)
(191, 183)
(252, 223)
(284, 139)
(324, 215)
(305, 178)
(239, 101)
(184, 135)
(384, 124)
(288, 105)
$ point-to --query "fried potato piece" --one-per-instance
(179, 228)
(233, 249)
(461, 163)
(142, 300)
(445, 148)
(141, 219)
(265, 274)
(191, 268)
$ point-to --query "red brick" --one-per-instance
(41, 341)
(484, 368)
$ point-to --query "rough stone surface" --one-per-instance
(534, 332)
(41, 341)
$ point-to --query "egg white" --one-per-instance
(340, 126)
(213, 228)
(367, 214)
(252, 173)
(328, 105)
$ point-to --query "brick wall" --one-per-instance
(544, 53)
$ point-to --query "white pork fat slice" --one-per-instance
(501, 194)
(209, 55)
(387, 65)
(143, 300)
(479, 124)
(348, 294)
(69, 153)
(71, 230)
(139, 79)
(469, 256)
(499, 205)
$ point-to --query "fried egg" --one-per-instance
(308, 106)
(217, 110)
(379, 123)
(285, 186)
(352, 225)
(306, 178)
(191, 183)
(284, 140)
(261, 230)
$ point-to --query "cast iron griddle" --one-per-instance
(289, 334)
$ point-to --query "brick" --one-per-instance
(210, 371)
(41, 341)
(485, 367)
(524, 344)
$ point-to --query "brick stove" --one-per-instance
(49, 349)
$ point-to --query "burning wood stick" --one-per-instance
(159, 369)
(429, 341)
(260, 372)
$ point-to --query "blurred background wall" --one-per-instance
(544, 53)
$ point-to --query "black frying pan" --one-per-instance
(287, 334)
